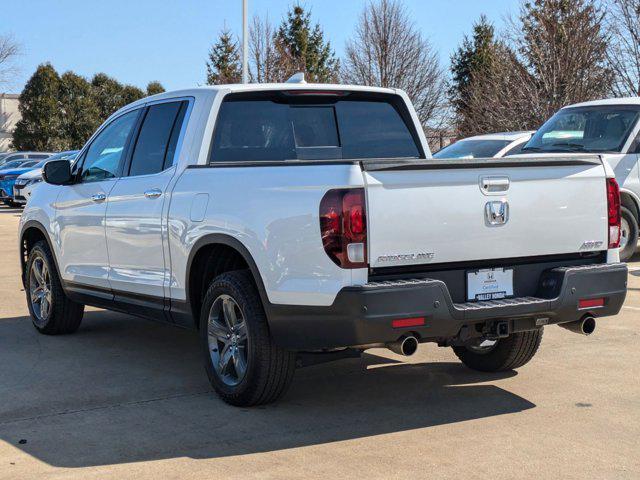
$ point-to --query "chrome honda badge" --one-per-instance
(497, 213)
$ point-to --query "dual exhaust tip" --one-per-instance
(405, 345)
(585, 326)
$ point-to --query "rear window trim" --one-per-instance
(311, 100)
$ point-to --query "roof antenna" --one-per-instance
(296, 78)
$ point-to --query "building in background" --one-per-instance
(9, 116)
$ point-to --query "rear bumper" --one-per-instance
(363, 315)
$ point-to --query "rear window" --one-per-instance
(276, 127)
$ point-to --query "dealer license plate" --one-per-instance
(490, 284)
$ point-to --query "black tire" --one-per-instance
(64, 315)
(630, 249)
(507, 354)
(269, 369)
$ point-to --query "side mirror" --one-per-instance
(57, 172)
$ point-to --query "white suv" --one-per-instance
(609, 128)
(295, 223)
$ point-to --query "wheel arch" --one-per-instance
(31, 233)
(211, 255)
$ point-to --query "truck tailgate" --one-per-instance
(453, 211)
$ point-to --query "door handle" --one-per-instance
(153, 193)
(494, 185)
(99, 197)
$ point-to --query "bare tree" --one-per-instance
(624, 48)
(501, 97)
(555, 54)
(9, 50)
(265, 58)
(388, 50)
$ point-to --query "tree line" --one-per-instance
(555, 53)
(552, 53)
(60, 112)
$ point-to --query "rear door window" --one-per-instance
(154, 143)
(276, 128)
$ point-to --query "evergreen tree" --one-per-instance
(130, 94)
(40, 126)
(78, 110)
(224, 65)
(302, 48)
(107, 94)
(154, 88)
(473, 57)
(110, 95)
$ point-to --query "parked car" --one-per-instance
(495, 145)
(611, 129)
(11, 156)
(299, 223)
(9, 172)
(25, 183)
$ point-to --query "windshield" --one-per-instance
(472, 149)
(586, 129)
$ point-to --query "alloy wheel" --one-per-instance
(40, 290)
(228, 340)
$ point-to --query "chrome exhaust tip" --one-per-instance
(406, 345)
(585, 326)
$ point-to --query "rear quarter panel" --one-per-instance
(274, 212)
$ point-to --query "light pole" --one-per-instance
(245, 42)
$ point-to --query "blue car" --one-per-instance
(8, 175)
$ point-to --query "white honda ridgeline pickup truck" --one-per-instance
(294, 224)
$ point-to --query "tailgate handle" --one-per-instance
(494, 185)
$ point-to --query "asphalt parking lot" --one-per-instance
(126, 397)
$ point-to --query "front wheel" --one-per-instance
(52, 312)
(499, 355)
(244, 365)
(628, 234)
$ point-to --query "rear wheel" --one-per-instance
(499, 355)
(52, 312)
(243, 364)
(628, 234)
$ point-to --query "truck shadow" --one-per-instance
(127, 390)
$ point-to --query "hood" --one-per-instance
(35, 173)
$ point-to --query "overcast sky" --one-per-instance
(141, 40)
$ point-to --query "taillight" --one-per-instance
(343, 226)
(613, 212)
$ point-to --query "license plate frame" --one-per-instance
(489, 284)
